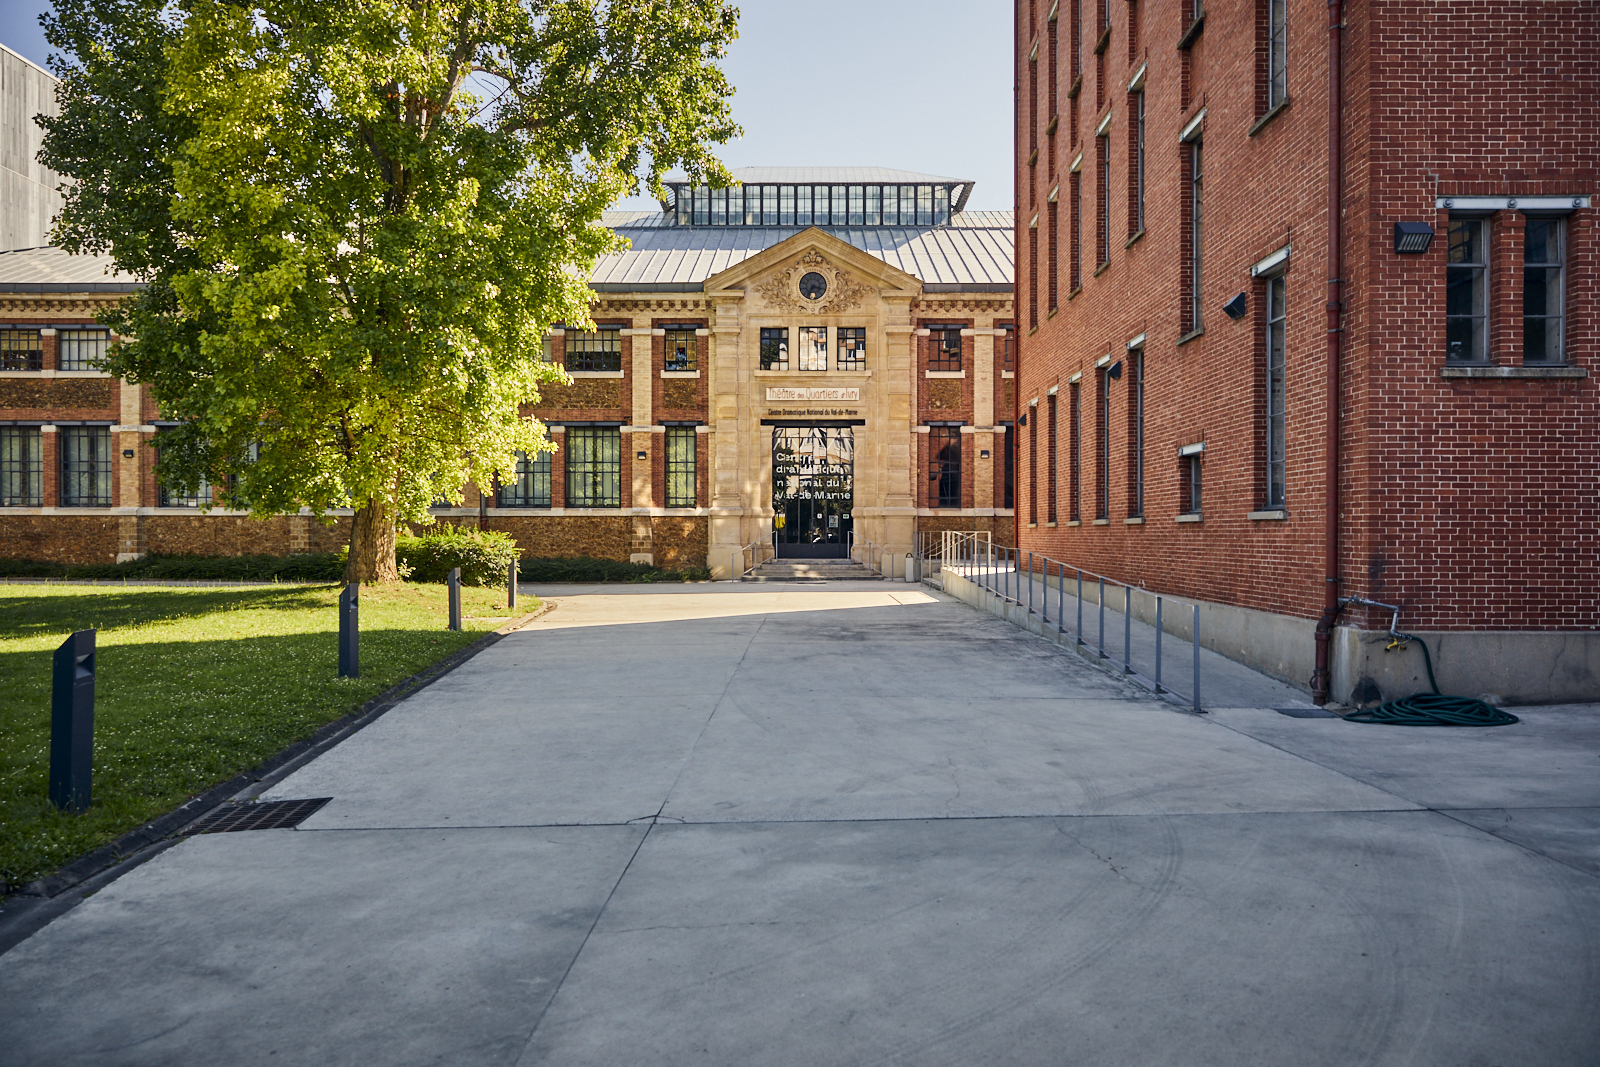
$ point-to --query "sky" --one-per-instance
(922, 86)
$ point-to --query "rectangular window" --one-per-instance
(1053, 265)
(1466, 301)
(769, 205)
(682, 445)
(944, 466)
(858, 210)
(924, 205)
(802, 205)
(1010, 473)
(945, 351)
(594, 467)
(1033, 274)
(785, 205)
(1136, 165)
(85, 466)
(1033, 465)
(874, 205)
(529, 486)
(1274, 428)
(813, 348)
(1075, 49)
(1189, 468)
(1542, 255)
(1051, 98)
(719, 207)
(1008, 346)
(173, 498)
(21, 467)
(1102, 200)
(1075, 249)
(599, 350)
(1196, 220)
(774, 348)
(1051, 474)
(21, 350)
(1102, 452)
(1075, 456)
(680, 348)
(852, 348)
(1277, 52)
(891, 205)
(1136, 433)
(81, 349)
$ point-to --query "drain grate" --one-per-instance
(1306, 713)
(272, 815)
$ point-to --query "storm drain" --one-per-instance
(1306, 713)
(271, 815)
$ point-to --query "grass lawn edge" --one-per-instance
(144, 842)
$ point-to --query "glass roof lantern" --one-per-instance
(802, 203)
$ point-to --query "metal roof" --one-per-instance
(55, 270)
(975, 252)
(840, 175)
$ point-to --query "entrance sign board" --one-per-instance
(777, 392)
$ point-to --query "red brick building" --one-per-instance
(1182, 347)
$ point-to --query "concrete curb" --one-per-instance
(30, 908)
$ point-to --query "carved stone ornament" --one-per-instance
(840, 293)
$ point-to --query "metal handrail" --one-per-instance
(739, 569)
(998, 569)
(870, 548)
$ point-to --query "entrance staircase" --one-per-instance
(812, 570)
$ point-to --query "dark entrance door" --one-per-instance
(813, 487)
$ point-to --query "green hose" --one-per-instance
(1433, 709)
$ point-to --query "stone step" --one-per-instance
(812, 570)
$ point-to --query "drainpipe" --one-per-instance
(1320, 681)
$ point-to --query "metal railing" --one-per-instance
(872, 556)
(752, 553)
(1010, 574)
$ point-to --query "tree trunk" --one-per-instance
(371, 556)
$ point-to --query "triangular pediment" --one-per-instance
(848, 275)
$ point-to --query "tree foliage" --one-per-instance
(357, 220)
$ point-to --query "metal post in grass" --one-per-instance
(72, 722)
(350, 631)
(455, 598)
(511, 586)
(1196, 625)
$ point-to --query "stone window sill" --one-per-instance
(1074, 522)
(594, 374)
(1269, 515)
(810, 373)
(680, 374)
(1101, 269)
(1102, 522)
(1050, 525)
(1130, 241)
(1105, 39)
(1191, 33)
(1191, 335)
(1191, 517)
(1525, 371)
(1135, 520)
(944, 374)
(1033, 526)
(1074, 292)
(1261, 122)
(1008, 374)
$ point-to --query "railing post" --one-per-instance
(1061, 598)
(511, 586)
(1030, 583)
(1080, 606)
(1197, 708)
(350, 631)
(1127, 629)
(72, 722)
(454, 583)
(1158, 644)
(1102, 606)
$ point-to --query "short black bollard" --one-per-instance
(511, 586)
(72, 723)
(350, 631)
(455, 598)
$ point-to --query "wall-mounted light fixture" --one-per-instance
(983, 454)
(1114, 372)
(1411, 238)
(1234, 308)
(127, 453)
(644, 455)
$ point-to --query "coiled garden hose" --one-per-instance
(1432, 709)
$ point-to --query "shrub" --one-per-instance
(587, 569)
(484, 556)
(308, 567)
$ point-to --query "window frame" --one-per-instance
(1277, 54)
(850, 339)
(1196, 226)
(944, 466)
(1193, 483)
(77, 468)
(1135, 375)
(670, 336)
(940, 349)
(682, 474)
(774, 348)
(1478, 271)
(1075, 454)
(1275, 393)
(531, 483)
(590, 351)
(812, 348)
(1556, 267)
(68, 340)
(1052, 471)
(21, 474)
(591, 470)
(1102, 459)
(17, 356)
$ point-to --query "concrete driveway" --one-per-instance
(852, 824)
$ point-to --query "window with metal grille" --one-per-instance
(1542, 248)
(774, 348)
(1075, 457)
(852, 348)
(1075, 247)
(1102, 453)
(1137, 164)
(85, 466)
(21, 466)
(682, 446)
(1008, 346)
(1053, 265)
(1274, 425)
(1136, 433)
(1466, 300)
(1052, 475)
(1102, 194)
(1277, 52)
(680, 348)
(1196, 221)
(21, 350)
(1033, 465)
(944, 466)
(177, 498)
(597, 350)
(944, 351)
(1189, 467)
(81, 349)
(594, 467)
(529, 484)
(813, 348)
(1010, 467)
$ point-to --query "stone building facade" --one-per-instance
(1210, 417)
(825, 364)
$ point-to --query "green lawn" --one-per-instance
(193, 685)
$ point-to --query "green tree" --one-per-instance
(356, 221)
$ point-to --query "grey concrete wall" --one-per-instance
(28, 198)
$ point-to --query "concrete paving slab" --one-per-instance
(1550, 759)
(1395, 938)
(294, 947)
(1566, 835)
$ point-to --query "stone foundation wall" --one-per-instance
(60, 538)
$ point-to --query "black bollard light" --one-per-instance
(455, 598)
(72, 723)
(350, 631)
(511, 586)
